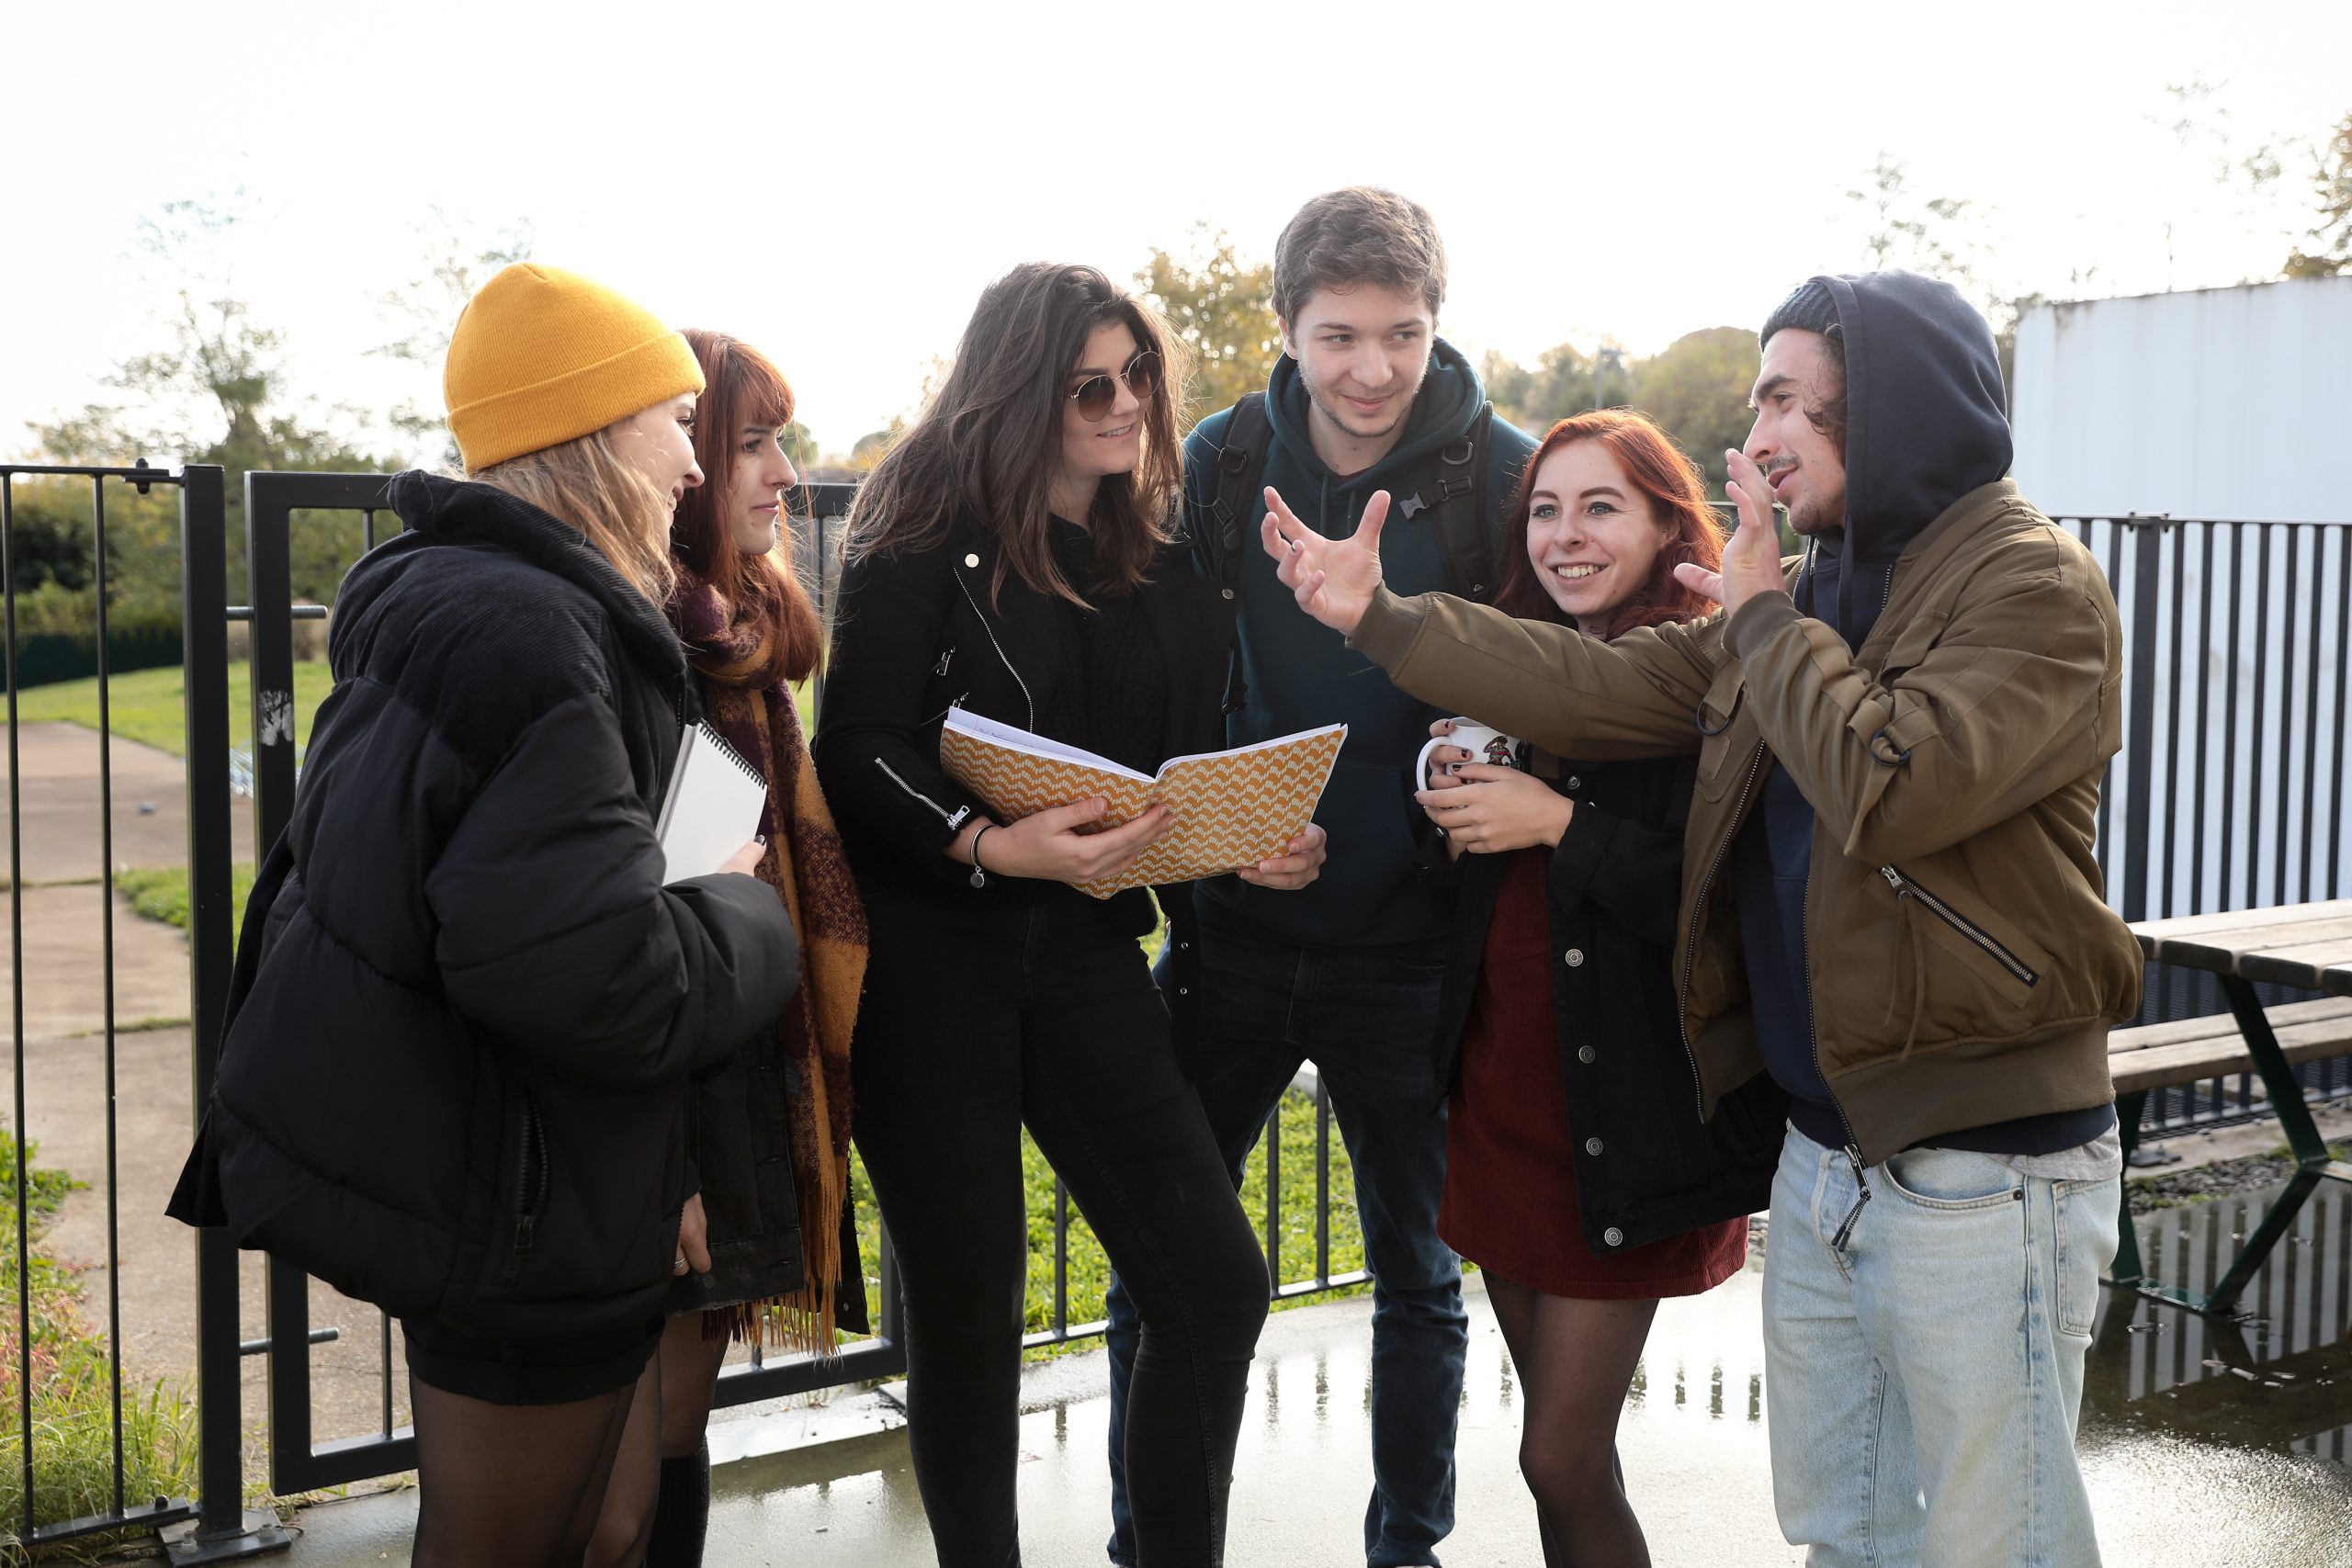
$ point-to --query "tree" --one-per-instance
(1559, 384)
(1932, 236)
(427, 308)
(1697, 389)
(215, 392)
(2332, 182)
(1222, 312)
(800, 446)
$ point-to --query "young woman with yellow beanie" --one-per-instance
(1016, 554)
(465, 1005)
(769, 1128)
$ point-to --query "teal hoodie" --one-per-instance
(1300, 674)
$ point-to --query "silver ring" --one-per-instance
(680, 1266)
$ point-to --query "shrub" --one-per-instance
(71, 1380)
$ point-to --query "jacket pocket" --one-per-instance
(2014, 967)
(1954, 970)
(1723, 754)
(530, 1189)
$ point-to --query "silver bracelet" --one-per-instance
(979, 873)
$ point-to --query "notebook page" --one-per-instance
(713, 807)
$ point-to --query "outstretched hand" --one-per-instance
(1751, 562)
(1333, 579)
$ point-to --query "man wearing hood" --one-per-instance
(1365, 398)
(1889, 902)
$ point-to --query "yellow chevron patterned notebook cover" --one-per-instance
(1233, 808)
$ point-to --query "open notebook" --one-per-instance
(713, 807)
(1233, 808)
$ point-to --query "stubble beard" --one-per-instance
(1328, 408)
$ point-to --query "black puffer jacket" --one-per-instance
(1646, 1166)
(465, 1005)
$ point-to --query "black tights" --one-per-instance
(974, 1025)
(1574, 1360)
(646, 1517)
(511, 1485)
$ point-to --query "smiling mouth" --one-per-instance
(1117, 432)
(1576, 572)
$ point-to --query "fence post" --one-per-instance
(223, 1530)
(2139, 699)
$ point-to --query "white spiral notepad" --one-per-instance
(713, 807)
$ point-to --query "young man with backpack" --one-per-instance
(1366, 397)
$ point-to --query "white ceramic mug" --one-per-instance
(1482, 741)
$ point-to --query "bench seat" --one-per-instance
(2189, 1050)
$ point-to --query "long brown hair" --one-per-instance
(988, 443)
(1678, 498)
(742, 388)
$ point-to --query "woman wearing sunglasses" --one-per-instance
(1015, 556)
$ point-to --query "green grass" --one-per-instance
(150, 706)
(72, 1383)
(161, 893)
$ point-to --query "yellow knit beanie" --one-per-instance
(542, 356)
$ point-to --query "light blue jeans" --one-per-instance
(1922, 1384)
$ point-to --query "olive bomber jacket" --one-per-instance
(1963, 965)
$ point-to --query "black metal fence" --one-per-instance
(2228, 793)
(219, 1467)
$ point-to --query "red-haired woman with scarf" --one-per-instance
(770, 1257)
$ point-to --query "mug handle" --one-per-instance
(1421, 763)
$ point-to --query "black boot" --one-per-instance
(682, 1512)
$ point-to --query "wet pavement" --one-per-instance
(2206, 1445)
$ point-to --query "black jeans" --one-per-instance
(976, 1022)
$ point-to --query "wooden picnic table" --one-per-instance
(2307, 947)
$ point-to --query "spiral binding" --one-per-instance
(713, 739)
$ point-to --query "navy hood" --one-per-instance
(1926, 423)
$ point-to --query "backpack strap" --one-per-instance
(1456, 504)
(1240, 474)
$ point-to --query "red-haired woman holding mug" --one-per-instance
(1577, 1177)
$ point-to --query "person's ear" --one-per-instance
(1284, 328)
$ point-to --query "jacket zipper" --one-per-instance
(1026, 700)
(1907, 888)
(1852, 1148)
(953, 818)
(1691, 944)
(530, 1184)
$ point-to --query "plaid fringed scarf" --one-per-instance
(746, 699)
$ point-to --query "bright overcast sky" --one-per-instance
(836, 182)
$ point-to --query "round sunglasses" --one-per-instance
(1095, 395)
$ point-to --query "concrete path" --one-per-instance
(61, 912)
(1692, 1441)
(57, 782)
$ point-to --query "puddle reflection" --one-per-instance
(2278, 1376)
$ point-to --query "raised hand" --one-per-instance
(1333, 579)
(1752, 557)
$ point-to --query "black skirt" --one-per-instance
(558, 1373)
